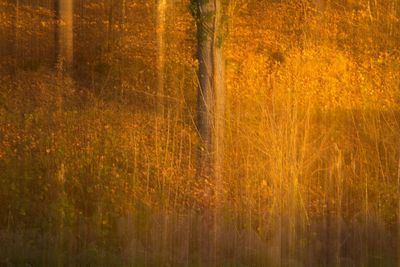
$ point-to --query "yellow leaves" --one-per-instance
(93, 5)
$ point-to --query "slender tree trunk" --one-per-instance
(122, 22)
(121, 45)
(16, 36)
(161, 9)
(161, 20)
(63, 42)
(123, 14)
(56, 32)
(219, 89)
(110, 33)
(63, 34)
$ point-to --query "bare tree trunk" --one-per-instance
(123, 14)
(219, 118)
(63, 42)
(16, 36)
(205, 97)
(64, 33)
(110, 33)
(219, 89)
(211, 102)
(121, 45)
(161, 20)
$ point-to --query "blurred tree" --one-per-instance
(16, 35)
(63, 33)
(110, 31)
(161, 19)
(210, 99)
(63, 62)
(210, 106)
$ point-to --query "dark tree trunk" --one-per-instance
(210, 116)
(210, 101)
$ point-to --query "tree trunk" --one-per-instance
(210, 116)
(211, 91)
(110, 33)
(64, 34)
(63, 39)
(161, 20)
(16, 37)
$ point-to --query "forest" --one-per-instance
(200, 133)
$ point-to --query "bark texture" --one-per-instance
(211, 88)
